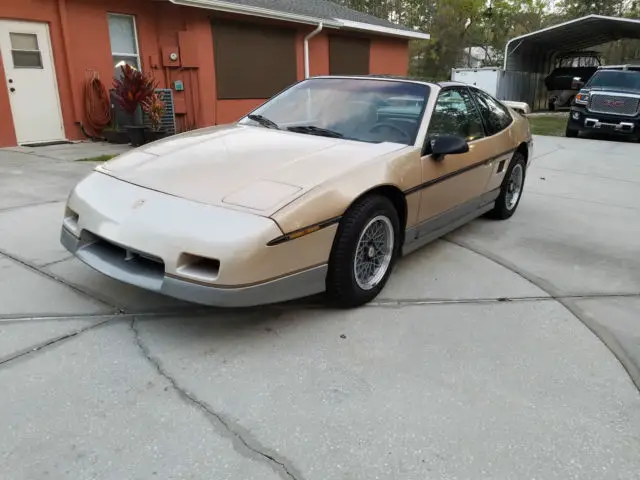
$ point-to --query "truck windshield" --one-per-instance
(627, 80)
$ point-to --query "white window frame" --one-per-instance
(135, 37)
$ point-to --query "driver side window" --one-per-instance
(455, 113)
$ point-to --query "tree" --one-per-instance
(456, 25)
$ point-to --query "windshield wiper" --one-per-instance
(313, 130)
(264, 121)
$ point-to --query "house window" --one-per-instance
(124, 42)
(348, 55)
(253, 61)
(25, 50)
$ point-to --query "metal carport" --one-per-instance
(529, 58)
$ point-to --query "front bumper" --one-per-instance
(195, 252)
(582, 120)
(108, 261)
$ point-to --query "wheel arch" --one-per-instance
(397, 198)
(524, 150)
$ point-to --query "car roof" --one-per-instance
(377, 76)
(380, 77)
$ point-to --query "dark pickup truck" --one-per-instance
(608, 103)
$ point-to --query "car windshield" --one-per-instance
(628, 80)
(361, 109)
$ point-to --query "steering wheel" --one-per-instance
(391, 126)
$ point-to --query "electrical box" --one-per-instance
(178, 86)
(171, 57)
(188, 43)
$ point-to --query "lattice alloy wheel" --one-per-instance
(364, 251)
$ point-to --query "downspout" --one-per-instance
(306, 48)
(64, 26)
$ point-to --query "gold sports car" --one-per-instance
(320, 189)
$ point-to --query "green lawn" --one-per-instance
(100, 158)
(552, 125)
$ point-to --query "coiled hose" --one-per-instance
(97, 105)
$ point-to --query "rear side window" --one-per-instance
(496, 116)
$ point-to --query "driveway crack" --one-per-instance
(242, 440)
(52, 341)
(55, 278)
(600, 331)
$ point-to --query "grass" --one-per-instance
(552, 125)
(99, 158)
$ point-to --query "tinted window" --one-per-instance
(615, 79)
(496, 116)
(348, 55)
(272, 64)
(456, 114)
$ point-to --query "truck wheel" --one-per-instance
(570, 132)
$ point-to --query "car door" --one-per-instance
(497, 119)
(451, 184)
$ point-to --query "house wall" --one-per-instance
(81, 46)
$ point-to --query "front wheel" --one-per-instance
(364, 252)
(570, 132)
(511, 189)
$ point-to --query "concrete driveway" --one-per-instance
(507, 350)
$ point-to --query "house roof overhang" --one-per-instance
(573, 35)
(333, 23)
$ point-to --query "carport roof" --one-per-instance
(573, 35)
(312, 12)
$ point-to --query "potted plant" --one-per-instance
(155, 109)
(131, 91)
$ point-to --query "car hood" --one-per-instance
(612, 90)
(241, 166)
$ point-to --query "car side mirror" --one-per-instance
(446, 144)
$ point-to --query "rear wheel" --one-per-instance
(511, 190)
(364, 252)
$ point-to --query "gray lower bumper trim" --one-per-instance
(297, 285)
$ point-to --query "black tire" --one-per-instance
(343, 289)
(570, 132)
(501, 210)
(552, 106)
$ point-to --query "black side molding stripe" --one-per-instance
(301, 232)
(448, 176)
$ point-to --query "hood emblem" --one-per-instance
(138, 203)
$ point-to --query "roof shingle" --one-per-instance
(323, 9)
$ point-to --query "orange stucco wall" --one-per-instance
(80, 43)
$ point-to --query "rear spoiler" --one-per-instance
(521, 107)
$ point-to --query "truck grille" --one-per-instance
(614, 104)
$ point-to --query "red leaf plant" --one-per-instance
(155, 109)
(133, 89)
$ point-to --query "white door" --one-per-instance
(31, 81)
